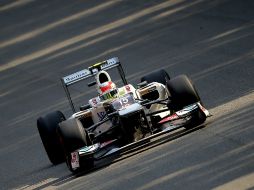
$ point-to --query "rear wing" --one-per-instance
(90, 72)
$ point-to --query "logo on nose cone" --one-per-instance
(101, 115)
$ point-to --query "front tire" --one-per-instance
(47, 127)
(182, 92)
(73, 137)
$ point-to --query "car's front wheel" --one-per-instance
(73, 137)
(183, 93)
(47, 127)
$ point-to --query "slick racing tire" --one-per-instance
(160, 76)
(47, 127)
(73, 137)
(182, 92)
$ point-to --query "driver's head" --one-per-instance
(105, 87)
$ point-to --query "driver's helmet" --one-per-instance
(108, 90)
(105, 87)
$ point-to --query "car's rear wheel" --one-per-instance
(160, 76)
(47, 127)
(73, 137)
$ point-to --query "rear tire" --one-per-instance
(47, 127)
(160, 76)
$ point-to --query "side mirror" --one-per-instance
(91, 84)
(142, 84)
(84, 107)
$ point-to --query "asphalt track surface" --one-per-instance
(211, 41)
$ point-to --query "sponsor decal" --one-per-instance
(101, 115)
(94, 101)
(106, 143)
(95, 71)
(169, 118)
(75, 160)
(76, 76)
(110, 62)
(128, 88)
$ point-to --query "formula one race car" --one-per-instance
(118, 118)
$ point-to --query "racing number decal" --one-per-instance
(123, 101)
